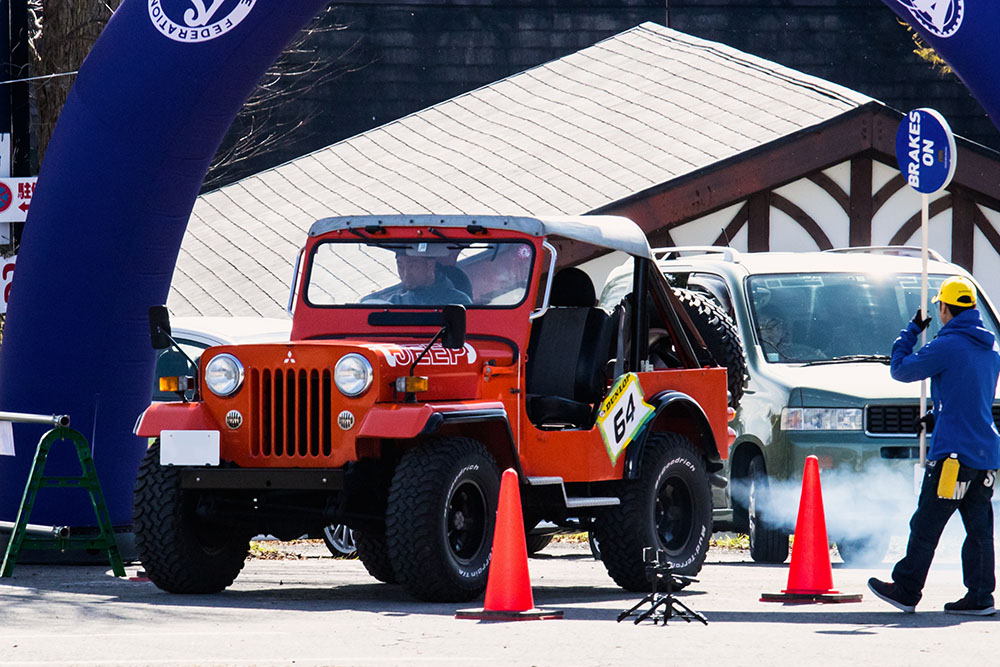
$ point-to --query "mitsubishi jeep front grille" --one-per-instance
(291, 412)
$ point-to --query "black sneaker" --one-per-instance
(887, 592)
(967, 607)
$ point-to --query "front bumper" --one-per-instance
(263, 479)
(851, 452)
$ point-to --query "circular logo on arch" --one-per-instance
(197, 20)
(942, 18)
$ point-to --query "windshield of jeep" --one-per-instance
(799, 318)
(368, 272)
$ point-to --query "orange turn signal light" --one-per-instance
(730, 414)
(412, 383)
(177, 383)
(170, 383)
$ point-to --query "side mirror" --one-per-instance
(453, 327)
(159, 327)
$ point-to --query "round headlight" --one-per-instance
(224, 375)
(352, 375)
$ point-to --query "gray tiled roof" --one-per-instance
(565, 138)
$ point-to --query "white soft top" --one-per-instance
(605, 231)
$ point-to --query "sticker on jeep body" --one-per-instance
(623, 413)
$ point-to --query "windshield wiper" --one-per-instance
(851, 358)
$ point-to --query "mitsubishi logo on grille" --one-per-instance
(289, 359)
(345, 420)
(234, 419)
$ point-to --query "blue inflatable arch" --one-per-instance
(123, 168)
(964, 33)
(149, 108)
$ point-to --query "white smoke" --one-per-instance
(857, 505)
(876, 503)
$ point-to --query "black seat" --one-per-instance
(567, 354)
(457, 276)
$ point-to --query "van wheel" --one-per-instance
(180, 552)
(768, 543)
(536, 543)
(668, 508)
(863, 551)
(339, 539)
(722, 338)
(373, 552)
(595, 545)
(440, 519)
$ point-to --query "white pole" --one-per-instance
(924, 224)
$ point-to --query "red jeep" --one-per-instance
(427, 354)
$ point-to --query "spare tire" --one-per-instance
(722, 338)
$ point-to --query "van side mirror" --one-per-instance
(453, 327)
(159, 327)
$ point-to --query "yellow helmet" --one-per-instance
(957, 291)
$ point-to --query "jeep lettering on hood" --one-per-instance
(404, 355)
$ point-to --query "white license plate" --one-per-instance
(189, 448)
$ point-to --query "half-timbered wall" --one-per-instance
(818, 212)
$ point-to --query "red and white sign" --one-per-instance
(15, 198)
(6, 278)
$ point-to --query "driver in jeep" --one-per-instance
(423, 282)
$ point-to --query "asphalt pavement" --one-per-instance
(310, 609)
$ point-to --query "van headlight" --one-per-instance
(224, 375)
(821, 419)
(352, 375)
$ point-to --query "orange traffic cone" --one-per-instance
(810, 576)
(508, 588)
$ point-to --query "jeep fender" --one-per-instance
(679, 413)
(174, 416)
(485, 421)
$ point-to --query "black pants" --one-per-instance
(929, 521)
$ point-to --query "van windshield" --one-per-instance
(803, 317)
(419, 273)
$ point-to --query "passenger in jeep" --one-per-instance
(422, 283)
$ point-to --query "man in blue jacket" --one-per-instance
(963, 362)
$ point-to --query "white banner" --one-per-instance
(6, 278)
(4, 154)
(6, 439)
(15, 198)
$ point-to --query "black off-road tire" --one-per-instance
(668, 507)
(722, 338)
(768, 543)
(440, 519)
(373, 552)
(180, 552)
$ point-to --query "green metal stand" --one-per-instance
(20, 539)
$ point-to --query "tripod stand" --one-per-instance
(663, 605)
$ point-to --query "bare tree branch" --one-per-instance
(62, 32)
(264, 124)
(60, 36)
